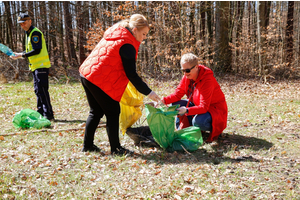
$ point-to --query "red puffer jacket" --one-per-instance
(104, 68)
(207, 97)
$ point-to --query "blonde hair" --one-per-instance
(189, 58)
(136, 21)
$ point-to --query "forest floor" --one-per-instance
(257, 156)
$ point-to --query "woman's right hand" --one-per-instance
(154, 97)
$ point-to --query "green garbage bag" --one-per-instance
(189, 138)
(28, 118)
(161, 122)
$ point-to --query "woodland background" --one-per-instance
(246, 38)
(246, 44)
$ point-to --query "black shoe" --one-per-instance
(121, 151)
(50, 118)
(93, 148)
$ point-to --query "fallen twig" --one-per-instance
(185, 150)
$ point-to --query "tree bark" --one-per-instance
(53, 33)
(72, 58)
(209, 30)
(222, 50)
(290, 33)
(30, 9)
(261, 69)
(81, 37)
(1, 27)
(9, 37)
(44, 22)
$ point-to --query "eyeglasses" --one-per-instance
(187, 70)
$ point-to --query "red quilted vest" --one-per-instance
(104, 68)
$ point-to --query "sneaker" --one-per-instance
(121, 151)
(93, 148)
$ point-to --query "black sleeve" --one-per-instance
(127, 53)
(36, 42)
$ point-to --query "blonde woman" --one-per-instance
(105, 75)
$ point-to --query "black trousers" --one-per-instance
(41, 86)
(101, 104)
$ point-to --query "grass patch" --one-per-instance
(257, 156)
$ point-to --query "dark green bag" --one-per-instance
(161, 122)
(189, 138)
(29, 118)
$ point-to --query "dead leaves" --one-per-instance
(251, 158)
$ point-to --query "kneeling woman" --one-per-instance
(207, 108)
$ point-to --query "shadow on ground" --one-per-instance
(225, 143)
(69, 121)
(240, 141)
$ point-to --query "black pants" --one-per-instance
(101, 104)
(41, 86)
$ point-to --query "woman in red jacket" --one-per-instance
(207, 108)
(105, 74)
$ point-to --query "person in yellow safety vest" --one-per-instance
(39, 64)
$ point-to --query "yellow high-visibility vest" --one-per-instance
(40, 60)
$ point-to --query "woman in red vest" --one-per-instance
(105, 74)
(207, 108)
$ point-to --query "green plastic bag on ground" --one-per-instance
(189, 138)
(161, 122)
(29, 118)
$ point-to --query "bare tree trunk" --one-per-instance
(53, 33)
(81, 37)
(9, 40)
(264, 12)
(72, 58)
(290, 33)
(239, 19)
(259, 41)
(1, 26)
(298, 36)
(151, 43)
(14, 31)
(192, 22)
(61, 33)
(30, 9)
(222, 50)
(202, 24)
(86, 15)
(209, 30)
(44, 22)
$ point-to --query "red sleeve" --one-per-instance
(180, 91)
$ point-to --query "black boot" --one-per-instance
(121, 151)
(93, 148)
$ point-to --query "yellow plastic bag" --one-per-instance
(130, 103)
